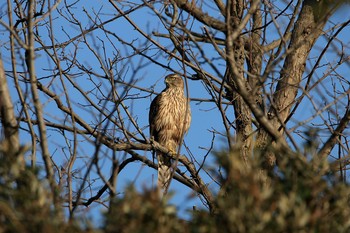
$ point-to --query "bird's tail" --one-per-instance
(164, 173)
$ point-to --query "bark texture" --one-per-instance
(9, 123)
(306, 31)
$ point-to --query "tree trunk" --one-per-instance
(306, 31)
(243, 117)
(10, 142)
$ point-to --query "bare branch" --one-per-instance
(192, 9)
(333, 139)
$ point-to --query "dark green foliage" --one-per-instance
(300, 195)
(143, 213)
(25, 203)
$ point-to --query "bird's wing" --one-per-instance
(152, 114)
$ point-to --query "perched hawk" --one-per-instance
(169, 120)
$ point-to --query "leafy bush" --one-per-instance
(301, 194)
(25, 204)
(298, 196)
(143, 213)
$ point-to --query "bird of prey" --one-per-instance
(169, 120)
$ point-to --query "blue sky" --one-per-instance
(205, 117)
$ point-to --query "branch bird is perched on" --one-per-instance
(169, 120)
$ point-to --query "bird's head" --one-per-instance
(174, 80)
